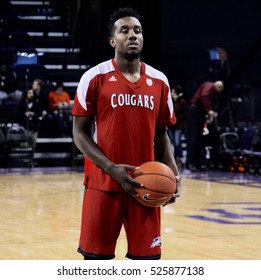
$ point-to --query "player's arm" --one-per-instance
(164, 153)
(82, 135)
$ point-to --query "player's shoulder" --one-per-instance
(99, 69)
(155, 73)
(104, 67)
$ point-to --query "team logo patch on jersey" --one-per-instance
(149, 82)
(156, 242)
(112, 79)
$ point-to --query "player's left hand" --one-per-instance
(176, 194)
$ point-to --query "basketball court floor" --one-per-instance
(217, 217)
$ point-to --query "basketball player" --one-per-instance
(121, 110)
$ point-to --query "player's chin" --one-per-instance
(132, 54)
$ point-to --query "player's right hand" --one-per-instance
(121, 173)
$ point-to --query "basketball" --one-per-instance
(159, 184)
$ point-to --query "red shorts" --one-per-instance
(103, 215)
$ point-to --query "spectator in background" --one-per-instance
(200, 109)
(30, 112)
(58, 98)
(10, 96)
(179, 128)
(8, 80)
(60, 107)
(41, 97)
(9, 85)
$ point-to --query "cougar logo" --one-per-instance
(156, 242)
(149, 198)
(149, 82)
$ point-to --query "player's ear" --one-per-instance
(112, 41)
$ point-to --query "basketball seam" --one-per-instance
(152, 173)
(145, 187)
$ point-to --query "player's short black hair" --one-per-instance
(120, 13)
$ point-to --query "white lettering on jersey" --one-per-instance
(140, 101)
(126, 99)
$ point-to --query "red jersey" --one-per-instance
(126, 115)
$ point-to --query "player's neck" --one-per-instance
(131, 70)
(131, 67)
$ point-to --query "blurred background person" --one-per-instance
(199, 110)
(60, 107)
(58, 98)
(30, 112)
(177, 130)
(41, 97)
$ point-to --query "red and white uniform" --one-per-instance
(126, 116)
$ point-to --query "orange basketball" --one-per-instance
(159, 183)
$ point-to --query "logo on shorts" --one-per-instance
(156, 242)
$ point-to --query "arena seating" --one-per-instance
(240, 152)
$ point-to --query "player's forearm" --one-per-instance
(89, 148)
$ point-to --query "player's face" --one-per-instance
(128, 38)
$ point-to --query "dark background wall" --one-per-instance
(190, 28)
(178, 35)
(93, 32)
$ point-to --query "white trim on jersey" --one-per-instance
(106, 67)
(94, 130)
(170, 103)
(102, 68)
(154, 73)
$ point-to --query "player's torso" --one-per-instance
(126, 116)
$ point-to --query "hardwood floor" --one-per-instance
(218, 216)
